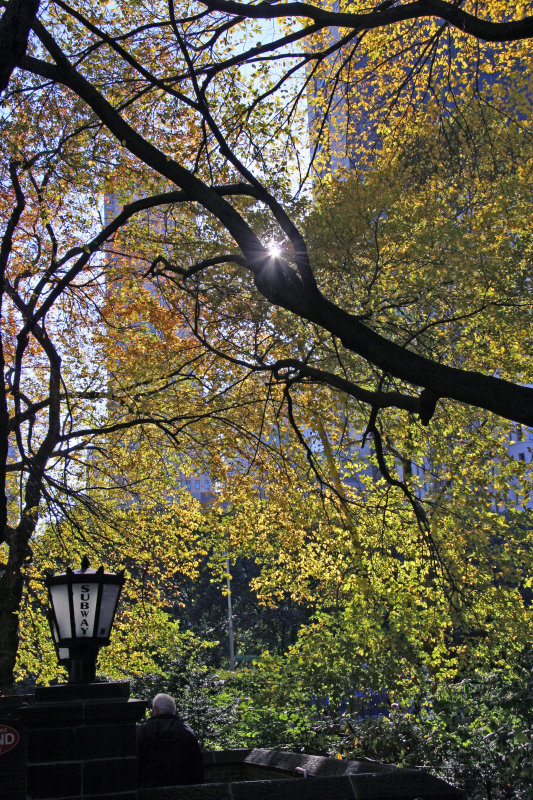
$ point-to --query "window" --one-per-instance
(197, 484)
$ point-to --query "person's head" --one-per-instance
(163, 704)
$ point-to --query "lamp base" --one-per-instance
(82, 665)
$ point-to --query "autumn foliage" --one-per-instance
(338, 334)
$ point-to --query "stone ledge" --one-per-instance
(313, 766)
(103, 690)
(343, 787)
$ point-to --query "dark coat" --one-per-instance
(168, 753)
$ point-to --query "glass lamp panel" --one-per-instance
(53, 629)
(84, 597)
(60, 603)
(110, 593)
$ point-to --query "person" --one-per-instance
(168, 753)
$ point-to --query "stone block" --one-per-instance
(336, 788)
(56, 780)
(109, 776)
(227, 756)
(113, 712)
(13, 774)
(72, 744)
(106, 741)
(132, 795)
(48, 716)
(210, 791)
(403, 784)
(53, 744)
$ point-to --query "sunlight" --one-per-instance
(274, 250)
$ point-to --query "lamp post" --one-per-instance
(82, 608)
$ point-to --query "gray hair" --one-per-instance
(163, 704)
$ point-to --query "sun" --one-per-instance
(274, 250)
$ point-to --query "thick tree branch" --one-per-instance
(15, 26)
(384, 15)
(282, 285)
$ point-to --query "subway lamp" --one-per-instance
(83, 603)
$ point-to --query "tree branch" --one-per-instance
(15, 26)
(383, 15)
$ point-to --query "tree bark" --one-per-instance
(11, 587)
(15, 26)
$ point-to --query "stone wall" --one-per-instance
(79, 742)
(295, 776)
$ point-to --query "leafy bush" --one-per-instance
(201, 699)
(476, 733)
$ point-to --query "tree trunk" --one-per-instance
(11, 586)
(15, 26)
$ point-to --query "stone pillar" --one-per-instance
(81, 742)
(12, 747)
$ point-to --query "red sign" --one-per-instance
(9, 738)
